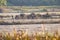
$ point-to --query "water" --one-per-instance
(30, 27)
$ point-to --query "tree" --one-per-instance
(3, 2)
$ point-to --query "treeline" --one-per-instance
(33, 2)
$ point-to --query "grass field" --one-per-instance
(26, 8)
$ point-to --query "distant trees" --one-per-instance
(34, 2)
(32, 16)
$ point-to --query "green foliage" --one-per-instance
(3, 2)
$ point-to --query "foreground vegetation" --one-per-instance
(24, 35)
